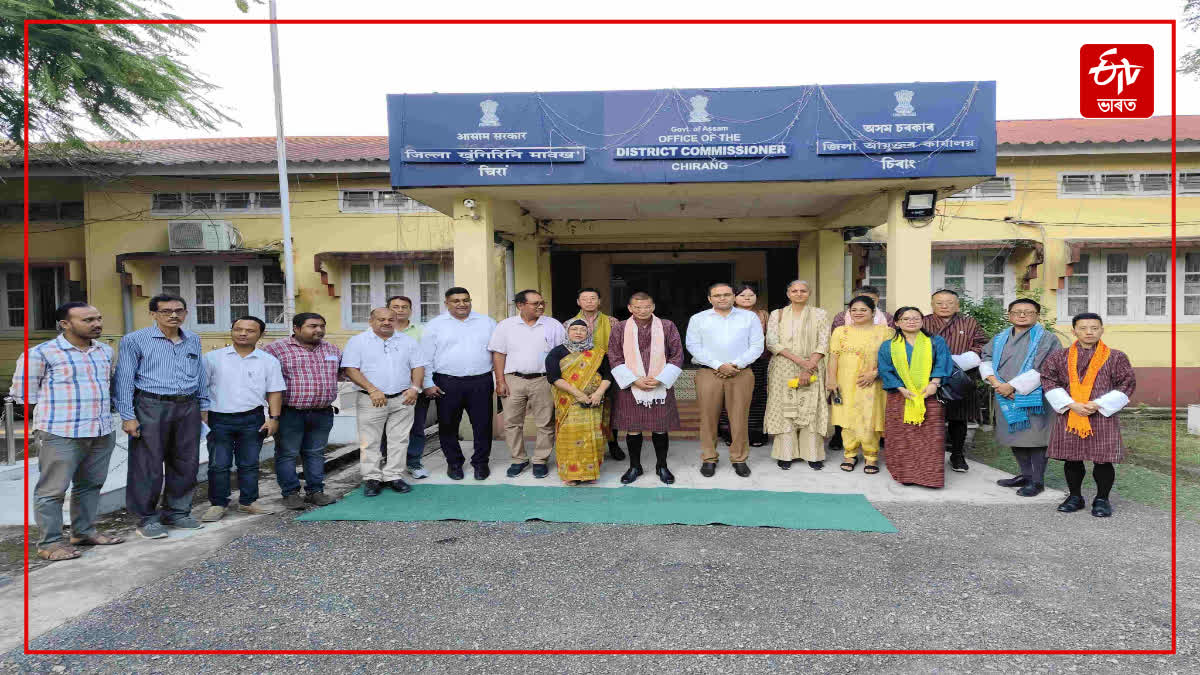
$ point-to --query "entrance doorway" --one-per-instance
(679, 290)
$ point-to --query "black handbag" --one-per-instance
(956, 387)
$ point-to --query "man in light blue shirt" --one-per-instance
(458, 373)
(242, 379)
(724, 340)
(388, 368)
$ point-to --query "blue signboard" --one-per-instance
(811, 132)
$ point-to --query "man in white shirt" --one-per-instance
(241, 379)
(724, 340)
(459, 376)
(387, 367)
(519, 346)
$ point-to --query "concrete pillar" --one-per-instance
(807, 260)
(545, 281)
(909, 257)
(474, 253)
(525, 262)
(831, 273)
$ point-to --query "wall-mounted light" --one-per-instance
(918, 204)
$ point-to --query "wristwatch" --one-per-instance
(273, 417)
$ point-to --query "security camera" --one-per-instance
(469, 203)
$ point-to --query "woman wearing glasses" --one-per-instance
(912, 365)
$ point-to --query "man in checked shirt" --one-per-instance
(70, 392)
(310, 371)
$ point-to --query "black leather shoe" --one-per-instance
(784, 464)
(454, 472)
(817, 466)
(742, 469)
(615, 452)
(516, 469)
(1101, 508)
(399, 485)
(664, 474)
(1072, 504)
(1015, 481)
(1032, 490)
(958, 462)
(631, 474)
(707, 469)
(540, 470)
(482, 472)
(372, 488)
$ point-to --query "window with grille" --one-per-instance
(1125, 184)
(379, 201)
(999, 188)
(48, 288)
(1131, 286)
(977, 274)
(369, 286)
(1078, 291)
(1191, 284)
(219, 293)
(241, 201)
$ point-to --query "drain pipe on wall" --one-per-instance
(126, 308)
(510, 273)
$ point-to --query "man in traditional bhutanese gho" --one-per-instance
(965, 339)
(600, 328)
(1087, 385)
(1012, 363)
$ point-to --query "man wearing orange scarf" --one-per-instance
(1087, 385)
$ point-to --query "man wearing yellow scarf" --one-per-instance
(1087, 385)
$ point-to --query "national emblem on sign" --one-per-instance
(489, 118)
(904, 107)
(699, 111)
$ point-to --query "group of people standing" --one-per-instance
(792, 375)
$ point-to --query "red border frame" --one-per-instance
(1169, 22)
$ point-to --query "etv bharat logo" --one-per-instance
(1116, 81)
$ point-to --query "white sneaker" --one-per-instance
(418, 473)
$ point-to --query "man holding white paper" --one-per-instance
(965, 339)
(1012, 363)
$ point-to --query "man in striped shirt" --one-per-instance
(70, 379)
(161, 392)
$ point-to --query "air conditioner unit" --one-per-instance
(202, 235)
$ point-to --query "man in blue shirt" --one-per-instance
(161, 391)
(458, 373)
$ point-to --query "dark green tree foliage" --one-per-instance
(113, 77)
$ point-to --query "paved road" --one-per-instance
(954, 577)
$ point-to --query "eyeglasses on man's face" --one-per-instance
(1023, 312)
(171, 312)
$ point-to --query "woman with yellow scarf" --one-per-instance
(911, 366)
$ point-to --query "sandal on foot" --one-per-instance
(58, 551)
(871, 469)
(849, 466)
(97, 539)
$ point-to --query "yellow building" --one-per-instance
(1078, 208)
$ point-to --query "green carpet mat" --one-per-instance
(633, 506)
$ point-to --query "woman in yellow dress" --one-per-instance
(853, 378)
(581, 376)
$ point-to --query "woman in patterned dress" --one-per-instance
(797, 416)
(581, 376)
(911, 366)
(854, 377)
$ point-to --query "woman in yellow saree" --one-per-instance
(581, 376)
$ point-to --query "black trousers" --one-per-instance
(956, 434)
(473, 395)
(164, 459)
